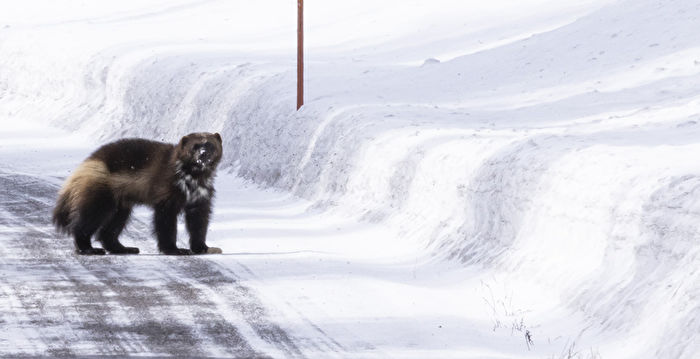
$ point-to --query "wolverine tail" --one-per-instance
(76, 191)
(61, 214)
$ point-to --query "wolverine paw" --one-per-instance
(91, 251)
(214, 250)
(125, 250)
(206, 250)
(177, 252)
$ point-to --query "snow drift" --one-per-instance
(551, 146)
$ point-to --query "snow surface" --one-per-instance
(463, 172)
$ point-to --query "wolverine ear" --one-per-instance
(183, 142)
(218, 137)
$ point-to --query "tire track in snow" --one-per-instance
(59, 304)
(214, 283)
(29, 326)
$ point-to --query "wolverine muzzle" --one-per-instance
(205, 154)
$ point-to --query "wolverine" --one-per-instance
(97, 199)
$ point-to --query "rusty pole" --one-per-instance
(300, 53)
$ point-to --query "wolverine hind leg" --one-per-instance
(109, 233)
(95, 209)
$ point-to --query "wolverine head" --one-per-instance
(200, 153)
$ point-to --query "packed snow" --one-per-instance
(467, 179)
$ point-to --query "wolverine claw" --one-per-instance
(91, 251)
(214, 250)
(207, 250)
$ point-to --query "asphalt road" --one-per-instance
(56, 303)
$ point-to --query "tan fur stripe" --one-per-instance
(89, 174)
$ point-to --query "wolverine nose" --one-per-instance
(206, 151)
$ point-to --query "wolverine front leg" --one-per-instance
(165, 224)
(197, 223)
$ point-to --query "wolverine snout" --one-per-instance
(205, 153)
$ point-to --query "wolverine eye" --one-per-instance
(206, 146)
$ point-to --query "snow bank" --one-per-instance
(546, 144)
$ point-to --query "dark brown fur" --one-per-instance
(99, 196)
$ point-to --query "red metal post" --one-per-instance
(300, 53)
